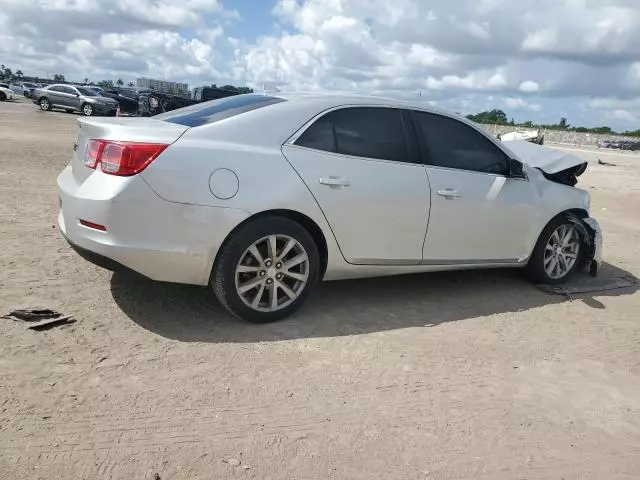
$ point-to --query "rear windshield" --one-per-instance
(216, 110)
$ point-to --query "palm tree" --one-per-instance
(131, 84)
(119, 82)
(86, 80)
(19, 74)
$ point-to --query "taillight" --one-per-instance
(121, 158)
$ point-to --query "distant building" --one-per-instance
(162, 86)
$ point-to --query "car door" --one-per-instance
(68, 97)
(360, 166)
(53, 94)
(479, 214)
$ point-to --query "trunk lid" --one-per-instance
(144, 130)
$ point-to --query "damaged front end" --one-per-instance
(591, 239)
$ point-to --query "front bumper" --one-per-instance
(106, 110)
(594, 260)
(592, 238)
(161, 240)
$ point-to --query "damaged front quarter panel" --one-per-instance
(592, 238)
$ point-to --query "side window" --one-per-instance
(447, 142)
(54, 89)
(370, 132)
(319, 136)
(69, 90)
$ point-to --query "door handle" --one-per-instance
(335, 182)
(449, 193)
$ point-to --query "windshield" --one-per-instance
(87, 92)
(30, 85)
(216, 110)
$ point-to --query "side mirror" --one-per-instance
(516, 169)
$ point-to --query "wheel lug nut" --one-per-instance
(278, 265)
(268, 263)
(262, 273)
(279, 276)
(269, 281)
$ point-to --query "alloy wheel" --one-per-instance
(561, 252)
(87, 110)
(44, 104)
(272, 273)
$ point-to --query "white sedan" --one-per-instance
(6, 94)
(261, 197)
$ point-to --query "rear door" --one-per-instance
(359, 164)
(478, 213)
(54, 95)
(68, 96)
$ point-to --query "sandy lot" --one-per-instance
(474, 375)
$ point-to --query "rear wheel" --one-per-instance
(87, 109)
(3, 96)
(44, 103)
(556, 254)
(266, 270)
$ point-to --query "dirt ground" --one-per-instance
(473, 375)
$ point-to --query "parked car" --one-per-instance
(72, 98)
(24, 88)
(5, 93)
(127, 98)
(630, 145)
(260, 197)
(154, 103)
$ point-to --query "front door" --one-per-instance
(478, 213)
(357, 164)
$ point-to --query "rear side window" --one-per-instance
(370, 132)
(216, 110)
(447, 142)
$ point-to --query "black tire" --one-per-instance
(222, 279)
(535, 270)
(3, 97)
(45, 104)
(86, 109)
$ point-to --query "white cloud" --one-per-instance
(521, 104)
(557, 54)
(529, 86)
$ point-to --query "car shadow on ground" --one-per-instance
(191, 314)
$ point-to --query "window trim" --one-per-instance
(409, 138)
(427, 159)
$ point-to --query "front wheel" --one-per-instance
(87, 109)
(557, 253)
(266, 270)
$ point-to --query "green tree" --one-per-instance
(58, 77)
(131, 84)
(86, 80)
(105, 83)
(495, 117)
(563, 125)
(119, 82)
(19, 74)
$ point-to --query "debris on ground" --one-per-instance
(600, 162)
(603, 285)
(40, 319)
(234, 462)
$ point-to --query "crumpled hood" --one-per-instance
(549, 160)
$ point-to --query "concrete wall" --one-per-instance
(559, 136)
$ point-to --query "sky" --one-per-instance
(537, 60)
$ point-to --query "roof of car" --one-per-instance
(326, 100)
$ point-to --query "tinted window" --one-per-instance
(216, 110)
(67, 90)
(87, 92)
(447, 142)
(319, 136)
(55, 88)
(360, 132)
